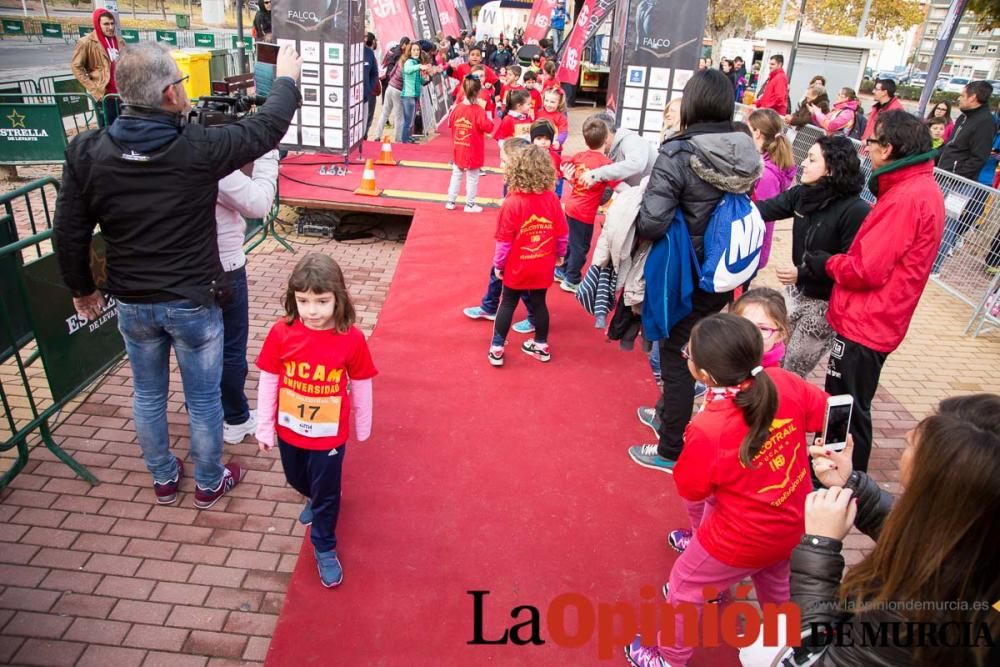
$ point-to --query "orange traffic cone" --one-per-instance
(368, 181)
(386, 156)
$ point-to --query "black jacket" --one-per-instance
(970, 144)
(692, 171)
(803, 116)
(156, 207)
(262, 23)
(830, 230)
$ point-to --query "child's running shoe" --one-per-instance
(523, 327)
(331, 573)
(567, 286)
(450, 206)
(473, 208)
(679, 539)
(496, 355)
(477, 313)
(638, 655)
(539, 351)
(559, 275)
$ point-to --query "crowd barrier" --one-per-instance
(969, 255)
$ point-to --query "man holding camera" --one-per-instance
(151, 181)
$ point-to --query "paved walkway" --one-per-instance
(101, 575)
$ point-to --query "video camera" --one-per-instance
(222, 109)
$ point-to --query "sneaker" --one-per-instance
(477, 313)
(166, 492)
(306, 515)
(559, 274)
(450, 206)
(495, 355)
(232, 475)
(699, 389)
(638, 655)
(523, 327)
(646, 456)
(679, 539)
(331, 573)
(234, 434)
(647, 416)
(567, 286)
(474, 208)
(539, 351)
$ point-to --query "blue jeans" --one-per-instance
(195, 333)
(947, 242)
(236, 326)
(409, 111)
(654, 359)
(491, 300)
(580, 236)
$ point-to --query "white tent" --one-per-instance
(494, 19)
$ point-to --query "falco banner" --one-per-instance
(329, 35)
(590, 19)
(538, 20)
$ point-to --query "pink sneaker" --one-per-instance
(679, 539)
(495, 355)
(644, 656)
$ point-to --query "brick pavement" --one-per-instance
(99, 575)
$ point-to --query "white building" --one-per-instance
(973, 53)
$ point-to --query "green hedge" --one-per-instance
(912, 93)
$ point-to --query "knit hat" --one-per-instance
(542, 129)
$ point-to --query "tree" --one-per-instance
(888, 18)
(737, 18)
(987, 11)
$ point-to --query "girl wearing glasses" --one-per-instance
(942, 110)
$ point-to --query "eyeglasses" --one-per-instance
(767, 332)
(174, 83)
(872, 140)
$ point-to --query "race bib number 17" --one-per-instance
(311, 416)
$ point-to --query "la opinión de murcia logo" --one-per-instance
(18, 132)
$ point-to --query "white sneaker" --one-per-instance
(450, 206)
(475, 208)
(234, 435)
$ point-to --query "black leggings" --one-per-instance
(505, 314)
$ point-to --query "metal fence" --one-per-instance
(968, 261)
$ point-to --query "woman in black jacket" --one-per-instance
(937, 547)
(827, 213)
(693, 170)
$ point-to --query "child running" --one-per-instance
(315, 376)
(745, 454)
(584, 200)
(469, 125)
(553, 109)
(531, 242)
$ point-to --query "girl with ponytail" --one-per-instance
(779, 166)
(469, 125)
(743, 473)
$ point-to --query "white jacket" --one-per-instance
(242, 196)
(617, 238)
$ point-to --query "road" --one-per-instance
(31, 60)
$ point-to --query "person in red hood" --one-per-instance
(879, 280)
(94, 58)
(775, 92)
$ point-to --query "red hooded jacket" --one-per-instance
(775, 95)
(878, 282)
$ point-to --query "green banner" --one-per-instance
(31, 133)
(13, 27)
(70, 106)
(74, 351)
(52, 30)
(247, 41)
(204, 39)
(130, 36)
(167, 37)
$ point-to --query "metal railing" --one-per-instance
(968, 262)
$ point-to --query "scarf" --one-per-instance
(907, 161)
(816, 197)
(110, 45)
(772, 358)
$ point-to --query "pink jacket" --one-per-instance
(773, 181)
(840, 119)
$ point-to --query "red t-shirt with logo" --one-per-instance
(315, 367)
(485, 94)
(536, 100)
(758, 513)
(465, 69)
(557, 118)
(513, 125)
(506, 90)
(583, 201)
(533, 223)
(469, 125)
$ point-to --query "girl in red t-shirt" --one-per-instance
(310, 358)
(531, 241)
(743, 472)
(469, 124)
(554, 110)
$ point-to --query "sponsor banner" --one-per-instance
(425, 18)
(448, 15)
(591, 17)
(539, 20)
(391, 19)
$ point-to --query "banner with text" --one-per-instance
(591, 17)
(539, 20)
(391, 19)
(329, 35)
(657, 56)
(448, 14)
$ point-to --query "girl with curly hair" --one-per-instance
(531, 240)
(827, 211)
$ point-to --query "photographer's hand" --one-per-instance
(289, 63)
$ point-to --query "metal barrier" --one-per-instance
(968, 261)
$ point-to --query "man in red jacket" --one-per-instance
(884, 93)
(774, 95)
(878, 282)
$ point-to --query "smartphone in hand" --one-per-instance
(838, 422)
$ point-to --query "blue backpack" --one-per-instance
(732, 244)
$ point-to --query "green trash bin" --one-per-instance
(183, 21)
(217, 66)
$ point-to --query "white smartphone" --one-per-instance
(838, 421)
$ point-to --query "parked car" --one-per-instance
(956, 85)
(919, 79)
(941, 82)
(885, 74)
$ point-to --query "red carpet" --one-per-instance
(512, 480)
